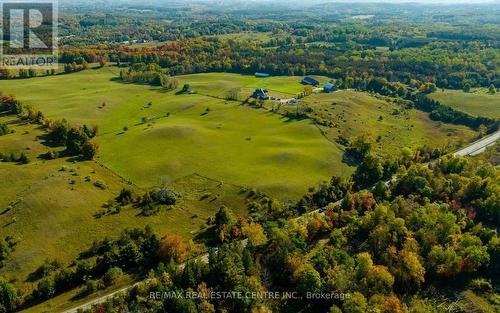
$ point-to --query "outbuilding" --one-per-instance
(329, 87)
(261, 75)
(310, 81)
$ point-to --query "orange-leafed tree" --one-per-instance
(172, 247)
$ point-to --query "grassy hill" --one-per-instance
(477, 103)
(52, 207)
(228, 142)
(392, 126)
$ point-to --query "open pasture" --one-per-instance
(53, 208)
(147, 133)
(477, 103)
(393, 127)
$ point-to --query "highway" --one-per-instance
(479, 146)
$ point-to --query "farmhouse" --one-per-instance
(261, 75)
(329, 87)
(260, 94)
(310, 81)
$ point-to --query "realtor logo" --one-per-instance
(29, 34)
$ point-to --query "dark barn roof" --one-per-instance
(260, 94)
(310, 81)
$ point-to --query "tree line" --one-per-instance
(78, 140)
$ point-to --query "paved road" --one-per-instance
(480, 145)
(102, 299)
(473, 149)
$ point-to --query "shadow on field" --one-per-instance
(207, 236)
(9, 223)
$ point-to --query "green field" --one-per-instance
(49, 207)
(218, 84)
(52, 204)
(232, 143)
(477, 103)
(202, 144)
(355, 113)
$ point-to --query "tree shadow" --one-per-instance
(207, 236)
(45, 140)
(347, 159)
(35, 276)
(8, 224)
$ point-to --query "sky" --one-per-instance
(400, 1)
(310, 1)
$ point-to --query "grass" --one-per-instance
(49, 207)
(355, 113)
(218, 84)
(207, 147)
(474, 302)
(52, 211)
(477, 103)
(238, 145)
(232, 143)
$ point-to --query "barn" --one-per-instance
(261, 75)
(310, 81)
(329, 87)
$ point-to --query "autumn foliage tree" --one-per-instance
(172, 248)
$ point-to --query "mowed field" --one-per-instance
(477, 103)
(189, 134)
(218, 84)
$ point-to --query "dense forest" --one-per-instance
(448, 65)
(451, 50)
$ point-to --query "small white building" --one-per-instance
(289, 101)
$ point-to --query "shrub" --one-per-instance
(4, 130)
(58, 132)
(125, 197)
(48, 267)
(76, 138)
(8, 296)
(481, 285)
(24, 159)
(46, 289)
(164, 195)
(91, 286)
(89, 150)
(112, 275)
(5, 250)
(100, 185)
(51, 155)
